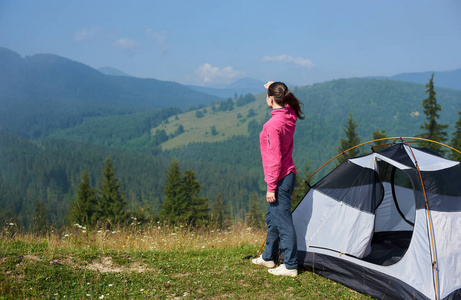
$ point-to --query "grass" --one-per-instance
(227, 124)
(158, 262)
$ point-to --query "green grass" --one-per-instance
(227, 124)
(204, 265)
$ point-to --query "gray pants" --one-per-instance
(280, 229)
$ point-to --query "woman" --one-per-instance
(276, 141)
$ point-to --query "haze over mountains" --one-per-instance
(446, 79)
(47, 85)
(59, 116)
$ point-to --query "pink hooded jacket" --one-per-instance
(276, 142)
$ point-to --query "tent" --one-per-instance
(387, 224)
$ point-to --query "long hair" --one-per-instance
(283, 96)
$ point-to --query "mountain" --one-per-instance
(72, 117)
(44, 92)
(375, 104)
(446, 79)
(112, 71)
(219, 144)
(240, 87)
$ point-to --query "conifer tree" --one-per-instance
(219, 211)
(379, 135)
(255, 217)
(352, 139)
(40, 220)
(182, 203)
(111, 200)
(194, 208)
(456, 140)
(84, 210)
(171, 206)
(433, 130)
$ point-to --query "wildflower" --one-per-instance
(110, 284)
(11, 224)
(141, 290)
(101, 297)
(55, 261)
(51, 262)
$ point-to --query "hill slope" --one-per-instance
(375, 104)
(48, 88)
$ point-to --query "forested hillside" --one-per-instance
(65, 133)
(50, 171)
(45, 92)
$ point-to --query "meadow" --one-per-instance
(155, 261)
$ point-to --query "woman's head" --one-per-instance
(279, 92)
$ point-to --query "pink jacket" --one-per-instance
(276, 142)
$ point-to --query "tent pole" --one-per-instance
(434, 259)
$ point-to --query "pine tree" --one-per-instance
(182, 203)
(194, 208)
(380, 135)
(170, 208)
(433, 130)
(255, 217)
(40, 220)
(456, 140)
(84, 210)
(219, 211)
(352, 139)
(111, 200)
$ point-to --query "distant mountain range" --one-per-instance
(242, 86)
(58, 117)
(112, 71)
(446, 79)
(44, 85)
(239, 87)
(51, 77)
(45, 92)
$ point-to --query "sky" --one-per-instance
(216, 42)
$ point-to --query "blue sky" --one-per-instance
(215, 42)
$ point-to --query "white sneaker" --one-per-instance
(283, 271)
(262, 262)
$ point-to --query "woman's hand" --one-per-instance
(268, 84)
(270, 197)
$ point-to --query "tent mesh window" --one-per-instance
(395, 215)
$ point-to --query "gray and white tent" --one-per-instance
(387, 224)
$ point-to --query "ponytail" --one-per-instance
(283, 96)
(295, 104)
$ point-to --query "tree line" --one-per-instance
(54, 183)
